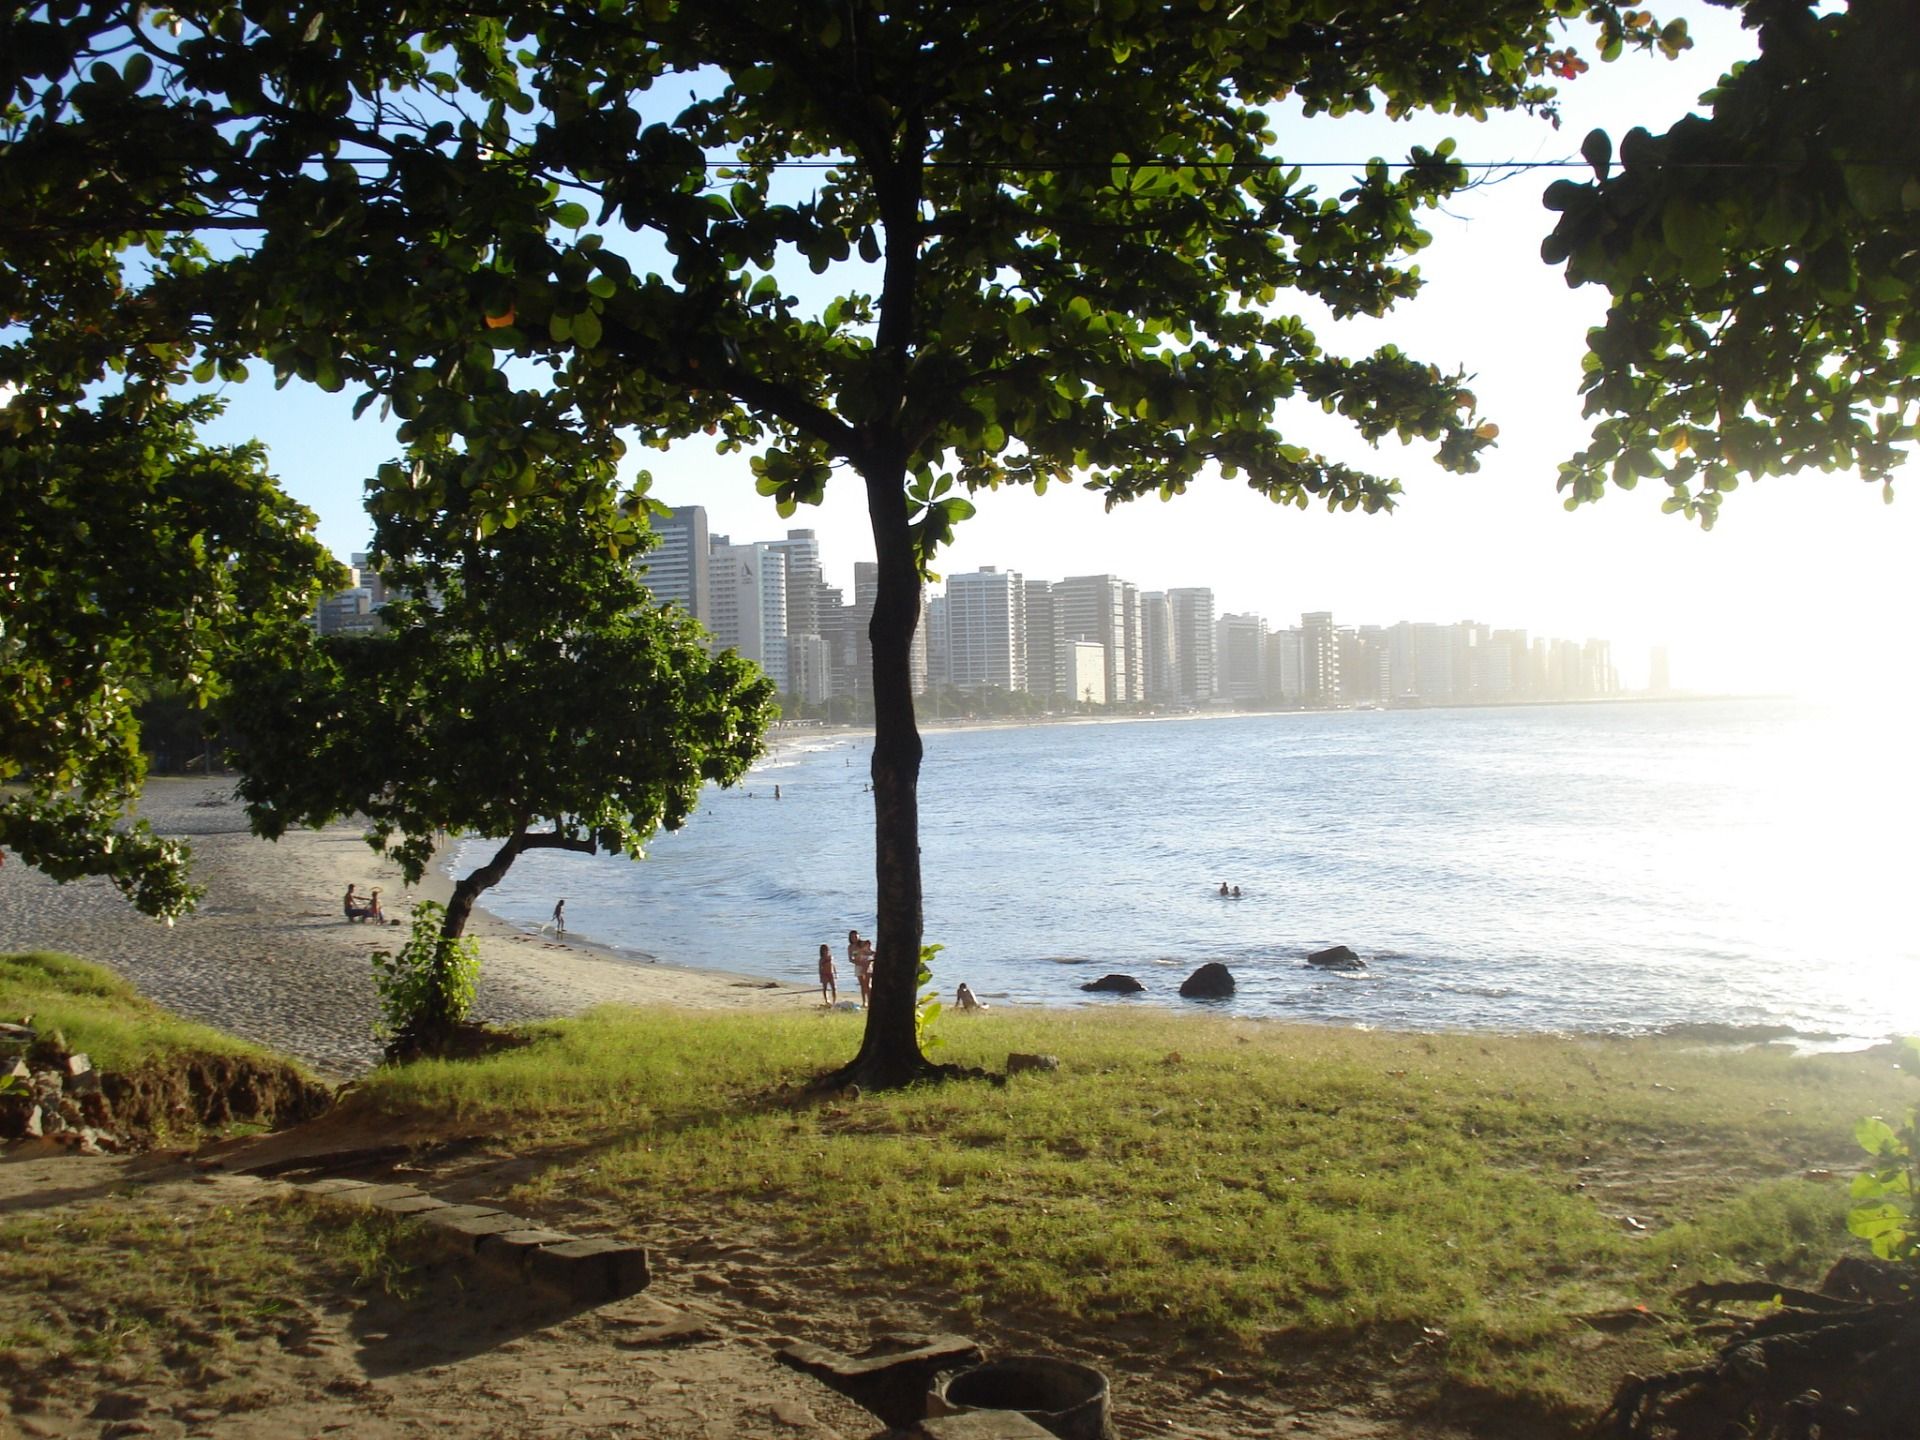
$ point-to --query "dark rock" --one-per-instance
(1116, 984)
(1212, 981)
(1337, 957)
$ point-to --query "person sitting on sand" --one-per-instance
(829, 992)
(353, 908)
(860, 956)
(966, 999)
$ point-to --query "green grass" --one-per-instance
(1251, 1186)
(101, 1014)
(1249, 1191)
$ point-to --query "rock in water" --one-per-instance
(1212, 981)
(1337, 957)
(1118, 984)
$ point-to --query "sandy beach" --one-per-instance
(270, 957)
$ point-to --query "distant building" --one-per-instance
(1286, 675)
(749, 591)
(1087, 667)
(676, 570)
(1095, 607)
(1240, 648)
(1659, 678)
(1320, 658)
(986, 630)
(804, 584)
(1191, 633)
(1047, 678)
(1156, 648)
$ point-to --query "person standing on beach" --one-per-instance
(560, 916)
(829, 992)
(860, 956)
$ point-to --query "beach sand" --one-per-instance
(270, 957)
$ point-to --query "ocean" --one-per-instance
(1724, 866)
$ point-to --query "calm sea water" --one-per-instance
(1601, 867)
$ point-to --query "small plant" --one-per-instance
(926, 1009)
(427, 989)
(1888, 1217)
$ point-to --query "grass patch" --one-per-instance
(1248, 1187)
(101, 1014)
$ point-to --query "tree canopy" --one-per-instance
(524, 688)
(130, 553)
(1764, 260)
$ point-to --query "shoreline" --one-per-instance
(268, 955)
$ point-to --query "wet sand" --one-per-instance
(269, 956)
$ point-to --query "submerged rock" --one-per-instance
(1117, 984)
(1212, 981)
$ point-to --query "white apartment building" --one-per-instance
(986, 630)
(749, 591)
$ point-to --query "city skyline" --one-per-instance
(1099, 639)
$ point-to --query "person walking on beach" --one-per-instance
(860, 956)
(560, 916)
(829, 992)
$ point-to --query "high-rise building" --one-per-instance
(1286, 675)
(1094, 607)
(804, 583)
(1087, 663)
(1191, 619)
(1156, 648)
(1320, 657)
(676, 571)
(939, 666)
(748, 585)
(986, 629)
(1046, 646)
(1240, 651)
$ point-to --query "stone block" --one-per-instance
(508, 1250)
(474, 1227)
(591, 1270)
(415, 1204)
(375, 1196)
(893, 1386)
(337, 1186)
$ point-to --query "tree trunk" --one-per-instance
(467, 891)
(890, 1052)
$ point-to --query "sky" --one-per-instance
(1804, 584)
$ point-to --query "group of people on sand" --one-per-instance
(364, 907)
(860, 957)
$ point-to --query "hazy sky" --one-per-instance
(1805, 583)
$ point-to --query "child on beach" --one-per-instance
(966, 999)
(828, 991)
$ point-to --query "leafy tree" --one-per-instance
(1058, 233)
(1764, 261)
(132, 555)
(527, 690)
